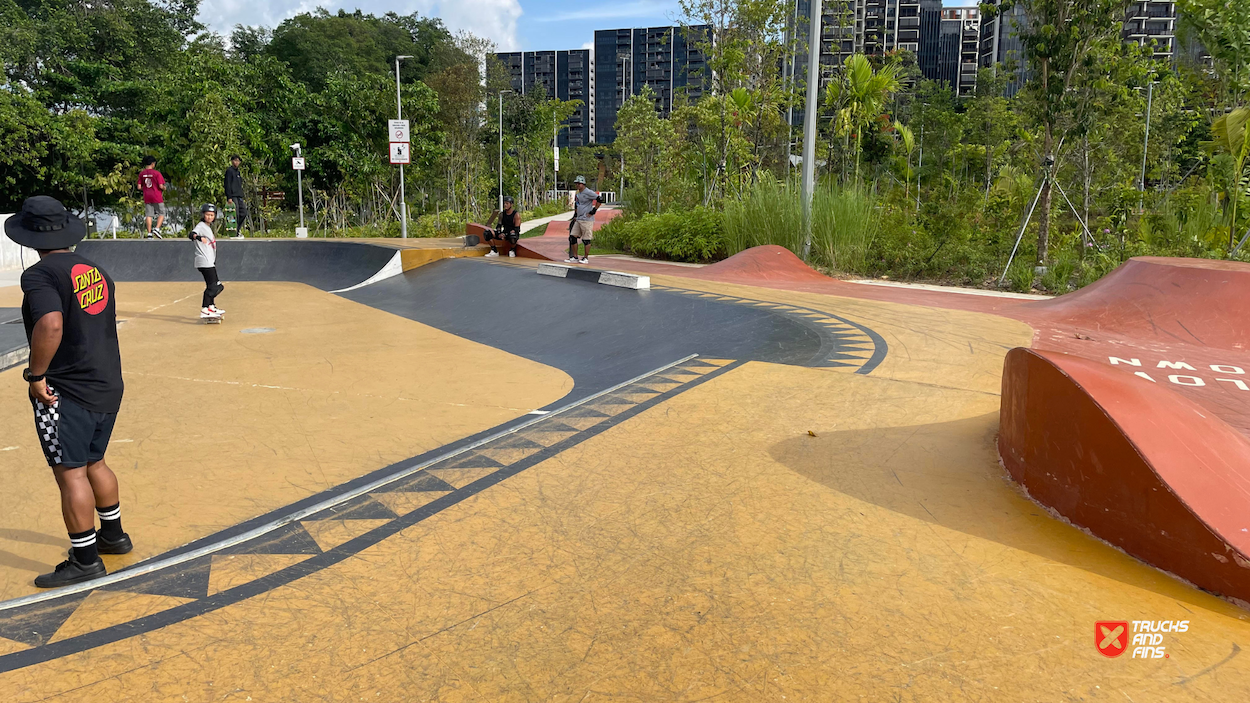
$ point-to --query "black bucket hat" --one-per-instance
(45, 224)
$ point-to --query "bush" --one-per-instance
(693, 236)
(844, 222)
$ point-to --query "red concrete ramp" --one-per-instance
(553, 244)
(1131, 417)
(1186, 301)
(1137, 464)
(768, 263)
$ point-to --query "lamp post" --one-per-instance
(299, 187)
(501, 148)
(399, 115)
(620, 196)
(1150, 93)
(809, 125)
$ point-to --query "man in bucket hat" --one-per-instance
(75, 376)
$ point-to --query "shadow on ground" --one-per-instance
(948, 474)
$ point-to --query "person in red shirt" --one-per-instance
(152, 183)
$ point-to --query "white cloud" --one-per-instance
(493, 19)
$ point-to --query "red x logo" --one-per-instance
(1111, 637)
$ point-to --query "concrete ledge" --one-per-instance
(14, 357)
(607, 278)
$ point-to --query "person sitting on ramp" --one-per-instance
(206, 263)
(508, 230)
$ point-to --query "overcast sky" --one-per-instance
(512, 24)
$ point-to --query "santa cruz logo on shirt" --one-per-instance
(90, 289)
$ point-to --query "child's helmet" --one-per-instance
(208, 207)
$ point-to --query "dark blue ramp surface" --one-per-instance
(599, 335)
(328, 265)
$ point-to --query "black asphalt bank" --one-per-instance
(599, 335)
(328, 265)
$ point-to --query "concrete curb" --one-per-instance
(608, 278)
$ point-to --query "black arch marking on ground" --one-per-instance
(116, 633)
(798, 313)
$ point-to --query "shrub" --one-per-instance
(692, 236)
(844, 222)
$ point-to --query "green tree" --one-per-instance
(1058, 37)
(859, 96)
(1223, 28)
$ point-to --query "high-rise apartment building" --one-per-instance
(1148, 21)
(666, 59)
(567, 75)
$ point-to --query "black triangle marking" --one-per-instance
(615, 400)
(472, 460)
(189, 580)
(35, 624)
(553, 426)
(516, 441)
(358, 508)
(648, 389)
(585, 412)
(422, 481)
(291, 538)
(698, 364)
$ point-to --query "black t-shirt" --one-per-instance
(87, 367)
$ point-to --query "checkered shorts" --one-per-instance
(71, 436)
(47, 421)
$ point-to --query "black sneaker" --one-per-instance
(121, 545)
(70, 572)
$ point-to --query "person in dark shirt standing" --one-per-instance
(234, 194)
(69, 309)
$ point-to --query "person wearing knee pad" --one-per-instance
(582, 226)
(508, 230)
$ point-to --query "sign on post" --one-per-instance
(400, 153)
(398, 130)
(297, 163)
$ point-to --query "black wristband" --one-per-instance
(32, 378)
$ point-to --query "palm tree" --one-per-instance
(1232, 138)
(907, 140)
(859, 97)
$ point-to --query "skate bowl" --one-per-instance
(328, 265)
(1129, 417)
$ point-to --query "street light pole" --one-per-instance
(501, 148)
(620, 196)
(399, 111)
(809, 125)
(1150, 92)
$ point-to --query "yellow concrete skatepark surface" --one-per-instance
(588, 515)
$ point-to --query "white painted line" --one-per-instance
(323, 505)
(393, 268)
(953, 289)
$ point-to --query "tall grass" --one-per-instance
(844, 222)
